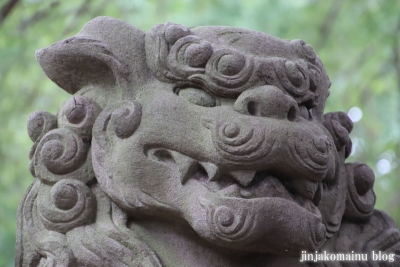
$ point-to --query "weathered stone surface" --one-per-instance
(204, 146)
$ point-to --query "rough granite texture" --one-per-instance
(204, 146)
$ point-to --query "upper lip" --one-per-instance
(245, 183)
(263, 184)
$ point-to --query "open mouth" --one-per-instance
(244, 184)
(250, 184)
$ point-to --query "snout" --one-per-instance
(268, 134)
(267, 101)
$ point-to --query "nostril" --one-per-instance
(292, 113)
(252, 108)
(267, 101)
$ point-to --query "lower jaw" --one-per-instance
(264, 224)
(269, 187)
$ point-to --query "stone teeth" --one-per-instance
(231, 191)
(187, 166)
(304, 188)
(243, 177)
(212, 170)
(245, 193)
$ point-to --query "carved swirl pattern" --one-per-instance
(378, 233)
(361, 198)
(158, 42)
(229, 69)
(62, 154)
(315, 157)
(239, 143)
(315, 77)
(40, 247)
(226, 223)
(339, 126)
(79, 114)
(66, 205)
(294, 79)
(123, 119)
(109, 236)
(117, 121)
(189, 55)
(389, 239)
(304, 50)
(174, 53)
(56, 251)
(126, 119)
(39, 123)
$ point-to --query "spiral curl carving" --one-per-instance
(174, 32)
(66, 205)
(56, 251)
(304, 50)
(61, 154)
(315, 77)
(79, 114)
(189, 55)
(339, 126)
(315, 157)
(361, 198)
(175, 54)
(294, 79)
(109, 234)
(125, 119)
(228, 72)
(239, 143)
(226, 223)
(165, 36)
(39, 123)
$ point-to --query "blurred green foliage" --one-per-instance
(358, 41)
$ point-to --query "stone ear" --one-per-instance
(79, 62)
(96, 57)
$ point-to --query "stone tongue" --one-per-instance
(243, 177)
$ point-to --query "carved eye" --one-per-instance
(197, 97)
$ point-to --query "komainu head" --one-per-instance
(218, 130)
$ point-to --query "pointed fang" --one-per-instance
(243, 177)
(212, 170)
(187, 166)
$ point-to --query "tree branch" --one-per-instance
(84, 8)
(396, 53)
(6, 9)
(326, 28)
(39, 15)
(396, 65)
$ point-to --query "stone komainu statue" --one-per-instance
(204, 146)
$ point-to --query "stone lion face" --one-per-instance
(229, 137)
(216, 127)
